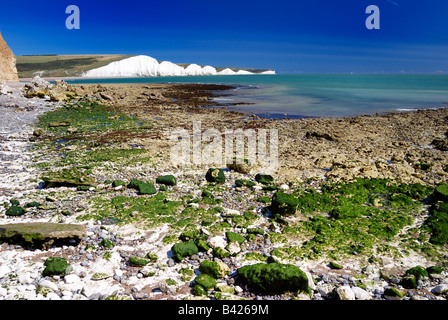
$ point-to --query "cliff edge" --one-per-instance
(8, 70)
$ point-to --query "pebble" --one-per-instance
(440, 289)
(49, 284)
(72, 278)
(4, 270)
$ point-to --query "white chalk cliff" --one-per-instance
(145, 66)
(8, 70)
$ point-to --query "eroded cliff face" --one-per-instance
(8, 70)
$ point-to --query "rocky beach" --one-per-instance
(93, 208)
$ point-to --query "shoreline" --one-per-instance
(371, 147)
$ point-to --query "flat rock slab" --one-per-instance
(41, 235)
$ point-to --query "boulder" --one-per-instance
(146, 188)
(168, 180)
(4, 89)
(240, 165)
(284, 204)
(38, 87)
(441, 192)
(41, 234)
(15, 211)
(344, 293)
(215, 175)
(234, 237)
(184, 249)
(41, 88)
(274, 278)
(264, 178)
(393, 294)
(214, 269)
(56, 266)
(205, 281)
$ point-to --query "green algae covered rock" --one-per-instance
(438, 223)
(214, 269)
(441, 192)
(418, 272)
(117, 183)
(199, 290)
(335, 265)
(138, 261)
(15, 211)
(184, 249)
(134, 183)
(394, 293)
(284, 204)
(244, 183)
(274, 278)
(106, 243)
(264, 178)
(234, 237)
(221, 252)
(56, 266)
(146, 188)
(206, 281)
(409, 282)
(215, 175)
(168, 180)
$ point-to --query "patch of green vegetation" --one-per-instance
(149, 211)
(359, 217)
(437, 223)
(186, 274)
(87, 117)
(138, 261)
(255, 256)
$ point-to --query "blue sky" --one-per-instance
(301, 36)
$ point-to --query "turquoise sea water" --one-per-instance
(319, 95)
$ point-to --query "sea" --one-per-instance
(317, 95)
